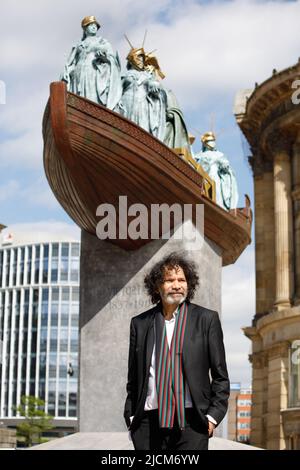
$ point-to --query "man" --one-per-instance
(174, 347)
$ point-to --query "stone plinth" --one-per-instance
(111, 293)
(120, 441)
(8, 438)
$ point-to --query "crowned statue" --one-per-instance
(218, 168)
(143, 98)
(176, 134)
(93, 70)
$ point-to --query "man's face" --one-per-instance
(174, 288)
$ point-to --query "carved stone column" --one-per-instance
(296, 214)
(259, 362)
(264, 234)
(283, 228)
(277, 394)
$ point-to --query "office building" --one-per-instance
(39, 313)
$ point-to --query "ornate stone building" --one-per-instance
(269, 117)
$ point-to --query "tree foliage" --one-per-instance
(36, 421)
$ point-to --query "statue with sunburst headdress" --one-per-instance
(176, 134)
(218, 168)
(143, 98)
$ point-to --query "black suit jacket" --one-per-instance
(203, 355)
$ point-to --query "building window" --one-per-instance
(52, 364)
(29, 261)
(244, 403)
(51, 397)
(43, 339)
(1, 267)
(14, 266)
(75, 250)
(54, 263)
(243, 425)
(244, 414)
(75, 262)
(243, 438)
(22, 270)
(45, 264)
(65, 305)
(64, 266)
(42, 390)
(294, 374)
(62, 398)
(34, 325)
(44, 312)
(37, 265)
(75, 294)
(72, 399)
(7, 267)
(42, 373)
(1, 322)
(25, 336)
(54, 319)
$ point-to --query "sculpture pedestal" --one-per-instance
(111, 293)
(119, 441)
(92, 156)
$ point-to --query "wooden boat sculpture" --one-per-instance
(93, 155)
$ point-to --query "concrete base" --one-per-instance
(120, 441)
(7, 438)
(111, 293)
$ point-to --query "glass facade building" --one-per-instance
(39, 314)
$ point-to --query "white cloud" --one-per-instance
(8, 190)
(238, 298)
(53, 227)
(25, 150)
(51, 27)
(207, 50)
(39, 194)
(21, 122)
(218, 48)
(36, 194)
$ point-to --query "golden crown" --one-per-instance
(151, 64)
(135, 51)
(207, 136)
(89, 20)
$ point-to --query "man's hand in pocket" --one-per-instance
(211, 428)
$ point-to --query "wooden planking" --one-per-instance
(93, 155)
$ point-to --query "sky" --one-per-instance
(208, 50)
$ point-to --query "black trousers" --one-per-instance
(149, 436)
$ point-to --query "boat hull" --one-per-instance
(92, 156)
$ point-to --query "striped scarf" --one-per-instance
(169, 370)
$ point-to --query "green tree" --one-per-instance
(36, 420)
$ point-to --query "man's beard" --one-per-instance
(171, 300)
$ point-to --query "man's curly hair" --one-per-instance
(155, 278)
